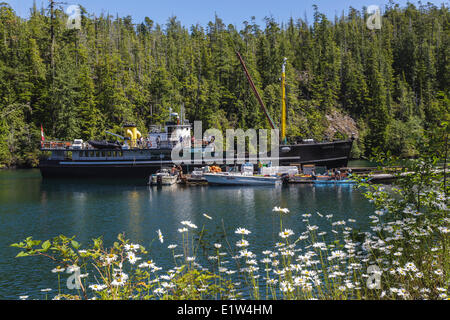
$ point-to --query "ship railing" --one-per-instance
(62, 145)
(163, 144)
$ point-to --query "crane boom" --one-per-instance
(258, 97)
(117, 135)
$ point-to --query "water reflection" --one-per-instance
(135, 211)
(88, 209)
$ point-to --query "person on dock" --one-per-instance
(338, 174)
(333, 174)
(329, 174)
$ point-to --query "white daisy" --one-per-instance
(242, 231)
(160, 236)
(286, 233)
(281, 210)
(98, 287)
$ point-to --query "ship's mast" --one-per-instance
(283, 102)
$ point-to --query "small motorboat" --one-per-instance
(163, 178)
(228, 178)
(243, 178)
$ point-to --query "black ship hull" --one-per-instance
(331, 155)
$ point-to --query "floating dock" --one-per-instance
(370, 174)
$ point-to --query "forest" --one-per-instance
(393, 82)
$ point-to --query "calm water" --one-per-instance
(44, 209)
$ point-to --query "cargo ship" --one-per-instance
(137, 157)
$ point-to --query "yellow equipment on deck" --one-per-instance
(132, 133)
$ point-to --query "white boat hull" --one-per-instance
(242, 180)
(165, 180)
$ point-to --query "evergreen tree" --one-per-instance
(394, 82)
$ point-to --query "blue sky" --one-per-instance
(190, 12)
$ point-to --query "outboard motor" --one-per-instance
(285, 178)
(159, 180)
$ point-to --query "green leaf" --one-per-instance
(46, 245)
(75, 244)
(22, 254)
(32, 243)
(17, 245)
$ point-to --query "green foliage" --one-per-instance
(417, 201)
(139, 282)
(109, 72)
(404, 136)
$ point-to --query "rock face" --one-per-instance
(338, 122)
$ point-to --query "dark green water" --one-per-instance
(44, 209)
